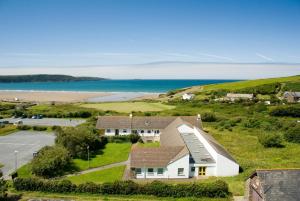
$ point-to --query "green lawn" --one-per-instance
(107, 175)
(24, 171)
(7, 129)
(148, 144)
(128, 107)
(88, 197)
(112, 153)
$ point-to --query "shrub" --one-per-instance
(118, 139)
(76, 140)
(24, 127)
(156, 188)
(271, 140)
(3, 187)
(208, 117)
(293, 134)
(39, 128)
(50, 161)
(252, 123)
(134, 138)
(286, 112)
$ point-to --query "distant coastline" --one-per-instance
(44, 78)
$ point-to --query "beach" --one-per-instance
(71, 96)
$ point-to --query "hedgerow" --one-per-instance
(217, 188)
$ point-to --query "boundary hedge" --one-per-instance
(216, 188)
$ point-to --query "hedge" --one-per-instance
(286, 112)
(216, 188)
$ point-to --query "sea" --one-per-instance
(145, 86)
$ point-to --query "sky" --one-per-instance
(63, 36)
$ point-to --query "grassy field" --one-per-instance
(128, 107)
(84, 197)
(24, 171)
(112, 153)
(7, 129)
(107, 175)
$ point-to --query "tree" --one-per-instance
(50, 161)
(76, 140)
(271, 140)
(293, 134)
(3, 187)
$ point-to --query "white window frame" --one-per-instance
(158, 173)
(180, 171)
(108, 130)
(124, 130)
(138, 172)
(150, 173)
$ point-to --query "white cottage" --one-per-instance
(186, 151)
(188, 96)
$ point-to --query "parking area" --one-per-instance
(17, 149)
(46, 121)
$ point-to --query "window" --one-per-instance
(192, 169)
(202, 171)
(124, 130)
(149, 131)
(160, 171)
(150, 171)
(142, 131)
(180, 171)
(138, 171)
(108, 130)
(156, 131)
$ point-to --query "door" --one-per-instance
(117, 132)
(202, 171)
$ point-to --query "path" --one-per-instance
(100, 168)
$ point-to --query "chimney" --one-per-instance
(198, 117)
(130, 115)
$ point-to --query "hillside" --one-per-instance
(260, 86)
(44, 78)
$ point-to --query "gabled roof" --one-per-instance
(235, 95)
(215, 145)
(156, 156)
(279, 184)
(152, 122)
(290, 93)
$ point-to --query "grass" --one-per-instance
(128, 107)
(101, 176)
(7, 129)
(88, 197)
(112, 153)
(24, 171)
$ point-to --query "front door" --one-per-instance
(117, 132)
(202, 171)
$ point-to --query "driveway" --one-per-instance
(25, 142)
(47, 121)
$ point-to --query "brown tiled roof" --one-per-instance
(153, 122)
(156, 156)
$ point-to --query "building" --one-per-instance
(291, 97)
(149, 128)
(273, 185)
(188, 96)
(234, 96)
(185, 151)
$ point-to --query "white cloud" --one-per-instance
(264, 57)
(217, 57)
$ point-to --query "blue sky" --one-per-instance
(35, 33)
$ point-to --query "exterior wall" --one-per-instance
(224, 166)
(146, 134)
(181, 163)
(145, 175)
(111, 133)
(210, 169)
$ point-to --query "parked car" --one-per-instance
(34, 117)
(19, 122)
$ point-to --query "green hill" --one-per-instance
(44, 78)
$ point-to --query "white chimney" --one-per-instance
(130, 115)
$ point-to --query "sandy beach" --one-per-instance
(70, 96)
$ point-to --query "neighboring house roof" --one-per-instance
(153, 122)
(156, 156)
(216, 146)
(294, 94)
(234, 95)
(279, 184)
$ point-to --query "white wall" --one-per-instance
(154, 176)
(181, 163)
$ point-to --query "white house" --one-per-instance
(188, 96)
(235, 96)
(149, 128)
(186, 151)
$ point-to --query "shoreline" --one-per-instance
(72, 96)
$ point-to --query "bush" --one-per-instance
(118, 139)
(208, 117)
(252, 123)
(3, 187)
(39, 128)
(134, 138)
(76, 140)
(24, 127)
(156, 188)
(271, 140)
(293, 134)
(286, 112)
(50, 161)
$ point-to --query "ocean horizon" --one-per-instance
(134, 85)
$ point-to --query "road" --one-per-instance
(47, 121)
